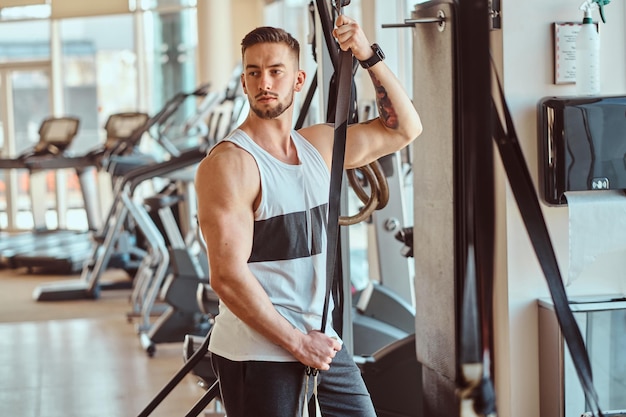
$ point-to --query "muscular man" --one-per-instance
(262, 207)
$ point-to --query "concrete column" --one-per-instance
(215, 51)
(249, 15)
(435, 214)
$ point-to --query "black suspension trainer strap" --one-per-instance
(342, 111)
(307, 103)
(344, 89)
(475, 231)
(477, 391)
(528, 204)
(343, 64)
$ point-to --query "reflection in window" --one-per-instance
(171, 42)
(154, 4)
(31, 105)
(99, 73)
(39, 11)
(24, 41)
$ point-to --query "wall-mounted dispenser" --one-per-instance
(582, 145)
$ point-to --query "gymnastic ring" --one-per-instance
(356, 185)
(382, 185)
(377, 180)
(370, 204)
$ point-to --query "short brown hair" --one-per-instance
(268, 34)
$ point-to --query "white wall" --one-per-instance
(528, 76)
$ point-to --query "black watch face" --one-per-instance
(379, 52)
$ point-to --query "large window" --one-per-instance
(24, 102)
(171, 46)
(24, 41)
(154, 4)
(171, 43)
(99, 73)
(95, 66)
(34, 11)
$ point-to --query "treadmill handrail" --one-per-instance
(59, 162)
(136, 176)
(167, 111)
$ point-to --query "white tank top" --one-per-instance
(288, 252)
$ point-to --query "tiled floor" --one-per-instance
(89, 366)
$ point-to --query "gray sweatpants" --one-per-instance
(276, 389)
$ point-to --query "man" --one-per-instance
(262, 207)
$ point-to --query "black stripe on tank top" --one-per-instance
(284, 237)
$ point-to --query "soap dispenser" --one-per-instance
(588, 50)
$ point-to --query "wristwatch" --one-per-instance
(378, 56)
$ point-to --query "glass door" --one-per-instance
(25, 101)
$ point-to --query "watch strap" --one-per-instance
(374, 59)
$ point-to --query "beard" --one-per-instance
(274, 112)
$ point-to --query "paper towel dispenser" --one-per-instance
(582, 145)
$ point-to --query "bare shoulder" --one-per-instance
(227, 170)
(227, 158)
(317, 132)
(321, 136)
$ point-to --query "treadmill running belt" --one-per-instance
(58, 250)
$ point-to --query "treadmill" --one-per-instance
(55, 137)
(60, 250)
(129, 172)
(88, 285)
